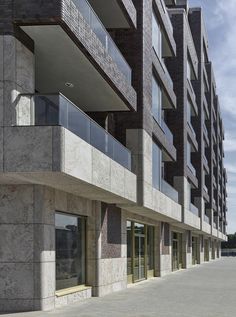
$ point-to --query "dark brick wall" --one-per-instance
(111, 231)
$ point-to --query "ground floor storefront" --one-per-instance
(58, 248)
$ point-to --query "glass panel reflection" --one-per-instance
(70, 251)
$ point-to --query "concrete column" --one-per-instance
(27, 244)
(201, 249)
(111, 259)
(165, 260)
(16, 77)
(187, 249)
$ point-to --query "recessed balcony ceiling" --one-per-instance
(110, 13)
(59, 62)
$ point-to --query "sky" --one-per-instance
(220, 17)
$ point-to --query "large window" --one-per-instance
(188, 153)
(156, 36)
(156, 100)
(70, 251)
(156, 166)
(189, 70)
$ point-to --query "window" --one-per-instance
(156, 36)
(189, 111)
(156, 166)
(156, 100)
(70, 250)
(189, 70)
(188, 153)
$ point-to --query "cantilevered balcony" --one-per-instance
(83, 61)
(167, 132)
(55, 144)
(194, 210)
(98, 28)
(57, 110)
(169, 191)
(115, 13)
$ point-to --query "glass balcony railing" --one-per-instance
(192, 169)
(205, 160)
(194, 209)
(167, 73)
(55, 109)
(169, 191)
(192, 129)
(206, 219)
(110, 47)
(167, 16)
(205, 129)
(205, 189)
(167, 131)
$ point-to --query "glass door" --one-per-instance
(175, 251)
(139, 252)
(129, 229)
(194, 250)
(206, 250)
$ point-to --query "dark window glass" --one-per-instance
(156, 166)
(70, 251)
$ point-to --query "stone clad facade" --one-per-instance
(98, 195)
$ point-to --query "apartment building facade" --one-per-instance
(111, 138)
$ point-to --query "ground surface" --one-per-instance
(208, 290)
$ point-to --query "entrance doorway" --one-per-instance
(194, 250)
(140, 251)
(176, 251)
(206, 250)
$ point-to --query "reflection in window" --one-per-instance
(70, 251)
(156, 166)
(156, 100)
(156, 36)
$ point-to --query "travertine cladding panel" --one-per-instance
(66, 14)
(16, 76)
(73, 298)
(165, 264)
(191, 219)
(27, 275)
(206, 227)
(55, 149)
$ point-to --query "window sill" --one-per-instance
(71, 290)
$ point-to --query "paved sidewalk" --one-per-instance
(208, 290)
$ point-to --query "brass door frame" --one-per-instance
(147, 273)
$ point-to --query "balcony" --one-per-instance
(123, 10)
(170, 81)
(206, 219)
(167, 131)
(192, 130)
(97, 27)
(192, 169)
(205, 130)
(205, 162)
(205, 189)
(83, 55)
(57, 110)
(194, 210)
(169, 191)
